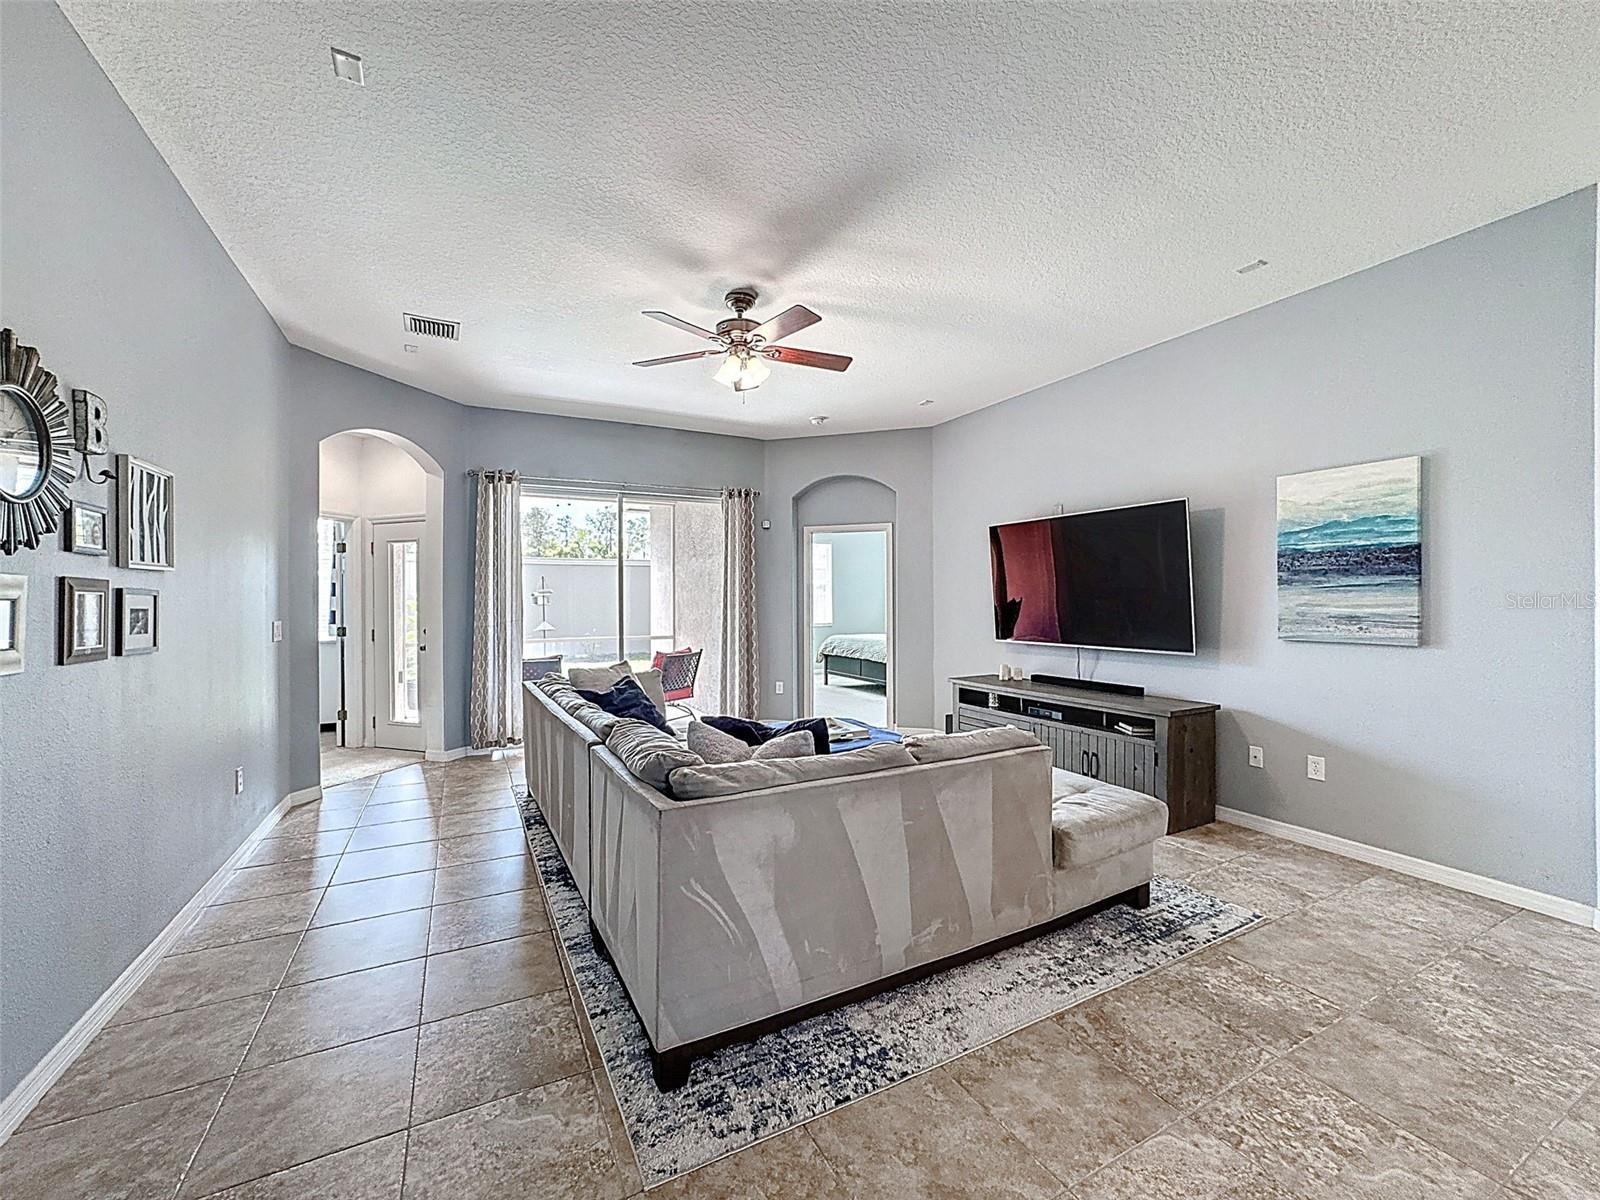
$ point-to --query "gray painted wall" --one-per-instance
(116, 778)
(1475, 750)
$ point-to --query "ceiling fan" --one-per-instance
(748, 347)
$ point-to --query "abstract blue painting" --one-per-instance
(1350, 554)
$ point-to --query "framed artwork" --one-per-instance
(85, 620)
(86, 528)
(144, 515)
(13, 622)
(1350, 554)
(138, 621)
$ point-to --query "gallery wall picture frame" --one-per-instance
(88, 528)
(138, 621)
(84, 620)
(145, 521)
(13, 623)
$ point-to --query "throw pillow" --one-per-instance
(648, 753)
(627, 699)
(598, 679)
(797, 743)
(659, 658)
(715, 746)
(650, 681)
(753, 733)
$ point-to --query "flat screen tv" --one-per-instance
(1110, 579)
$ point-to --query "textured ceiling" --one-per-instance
(978, 198)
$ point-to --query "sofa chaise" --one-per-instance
(735, 898)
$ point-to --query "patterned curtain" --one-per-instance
(496, 714)
(741, 688)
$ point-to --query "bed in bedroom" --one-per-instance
(863, 656)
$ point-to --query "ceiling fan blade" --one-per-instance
(680, 323)
(656, 362)
(811, 358)
(790, 320)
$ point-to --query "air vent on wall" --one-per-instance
(433, 327)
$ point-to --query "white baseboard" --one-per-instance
(448, 755)
(1559, 907)
(15, 1108)
(303, 796)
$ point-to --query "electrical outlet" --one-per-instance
(1258, 757)
(277, 631)
(238, 781)
(1316, 767)
(778, 687)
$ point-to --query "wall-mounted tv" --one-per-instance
(1109, 579)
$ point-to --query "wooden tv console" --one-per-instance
(1172, 755)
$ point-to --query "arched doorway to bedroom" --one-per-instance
(846, 576)
(379, 589)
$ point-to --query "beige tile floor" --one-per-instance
(375, 1008)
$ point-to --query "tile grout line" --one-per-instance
(1278, 1057)
(1592, 1090)
(205, 1134)
(272, 994)
(1399, 984)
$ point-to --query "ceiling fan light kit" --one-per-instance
(747, 347)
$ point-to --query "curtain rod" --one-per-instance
(644, 489)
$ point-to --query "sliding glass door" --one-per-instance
(608, 577)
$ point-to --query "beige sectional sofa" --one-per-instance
(729, 912)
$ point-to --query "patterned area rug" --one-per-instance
(757, 1089)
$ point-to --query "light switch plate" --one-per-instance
(1258, 757)
(1316, 767)
(238, 781)
(778, 687)
(277, 631)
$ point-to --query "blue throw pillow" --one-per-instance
(627, 699)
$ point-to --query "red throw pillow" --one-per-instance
(660, 656)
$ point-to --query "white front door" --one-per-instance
(400, 634)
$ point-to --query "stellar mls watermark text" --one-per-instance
(1573, 601)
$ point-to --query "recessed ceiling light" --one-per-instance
(1253, 266)
(409, 348)
(924, 403)
(819, 420)
(348, 66)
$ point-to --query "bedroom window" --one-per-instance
(821, 583)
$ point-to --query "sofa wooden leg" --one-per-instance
(671, 1070)
(1138, 897)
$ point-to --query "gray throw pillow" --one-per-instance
(598, 679)
(650, 683)
(717, 747)
(648, 753)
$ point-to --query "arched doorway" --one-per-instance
(845, 570)
(380, 568)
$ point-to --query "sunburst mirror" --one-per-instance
(36, 465)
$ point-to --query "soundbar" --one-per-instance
(1090, 685)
